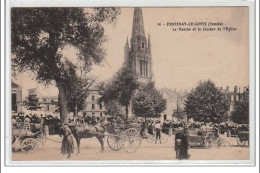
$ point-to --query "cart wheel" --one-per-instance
(132, 140)
(241, 142)
(209, 140)
(115, 143)
(29, 145)
(164, 139)
(218, 143)
(150, 138)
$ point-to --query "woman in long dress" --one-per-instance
(67, 146)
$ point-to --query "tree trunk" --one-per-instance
(126, 112)
(62, 103)
(76, 112)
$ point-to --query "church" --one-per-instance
(138, 55)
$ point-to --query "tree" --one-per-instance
(240, 113)
(206, 103)
(179, 113)
(148, 102)
(114, 108)
(32, 102)
(77, 93)
(39, 34)
(121, 88)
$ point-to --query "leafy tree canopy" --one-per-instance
(121, 88)
(39, 34)
(206, 103)
(148, 102)
(240, 113)
(32, 102)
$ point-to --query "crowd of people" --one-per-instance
(34, 120)
(148, 126)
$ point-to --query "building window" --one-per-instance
(232, 97)
(93, 106)
(93, 113)
(93, 98)
(142, 44)
(100, 114)
(100, 106)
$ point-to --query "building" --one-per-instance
(138, 54)
(93, 107)
(231, 96)
(49, 104)
(175, 100)
(16, 98)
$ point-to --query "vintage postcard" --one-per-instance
(137, 84)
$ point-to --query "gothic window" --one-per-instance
(141, 68)
(143, 45)
(146, 69)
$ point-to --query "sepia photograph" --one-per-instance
(130, 84)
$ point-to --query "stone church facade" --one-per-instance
(138, 55)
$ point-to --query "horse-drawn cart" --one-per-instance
(118, 138)
(207, 138)
(243, 138)
(23, 138)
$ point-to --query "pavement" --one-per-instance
(91, 151)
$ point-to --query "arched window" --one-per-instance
(146, 69)
(141, 68)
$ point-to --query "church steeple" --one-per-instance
(138, 56)
(138, 24)
(126, 50)
(126, 44)
(149, 43)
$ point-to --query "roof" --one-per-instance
(15, 85)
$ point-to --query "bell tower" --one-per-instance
(138, 54)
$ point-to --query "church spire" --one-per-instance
(149, 43)
(138, 24)
(126, 44)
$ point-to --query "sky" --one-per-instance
(180, 58)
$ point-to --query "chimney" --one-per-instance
(235, 89)
(227, 88)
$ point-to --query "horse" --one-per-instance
(79, 132)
